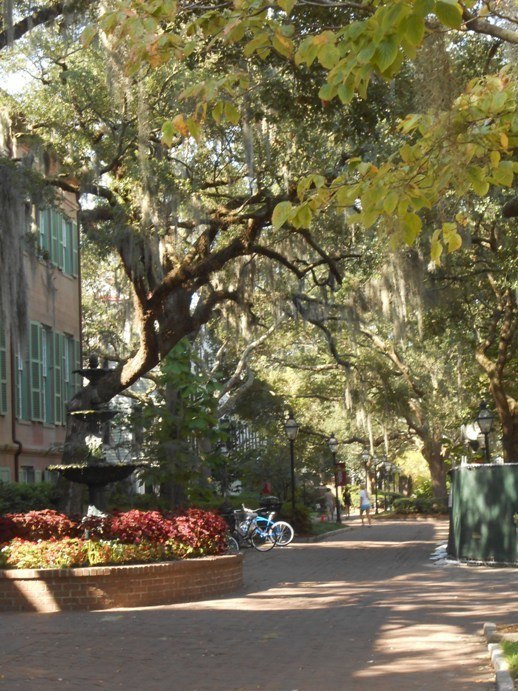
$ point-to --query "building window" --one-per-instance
(27, 474)
(58, 240)
(3, 372)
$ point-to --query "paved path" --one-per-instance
(365, 609)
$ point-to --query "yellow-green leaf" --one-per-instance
(412, 224)
(282, 212)
(168, 132)
(346, 92)
(328, 55)
(283, 45)
(231, 113)
(302, 217)
(414, 29)
(194, 128)
(436, 251)
(390, 202)
(88, 35)
(287, 5)
(386, 53)
(449, 14)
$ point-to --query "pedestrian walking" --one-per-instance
(346, 496)
(365, 505)
(330, 504)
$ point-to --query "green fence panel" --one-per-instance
(484, 504)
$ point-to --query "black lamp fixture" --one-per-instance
(291, 428)
(485, 421)
(333, 447)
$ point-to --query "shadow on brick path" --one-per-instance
(362, 609)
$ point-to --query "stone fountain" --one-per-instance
(84, 456)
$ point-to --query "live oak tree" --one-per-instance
(198, 134)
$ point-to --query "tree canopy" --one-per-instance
(256, 161)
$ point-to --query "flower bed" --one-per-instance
(135, 558)
(104, 587)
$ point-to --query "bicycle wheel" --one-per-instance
(232, 545)
(282, 533)
(262, 540)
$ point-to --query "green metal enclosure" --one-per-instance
(484, 504)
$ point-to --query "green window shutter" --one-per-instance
(55, 250)
(64, 376)
(62, 243)
(58, 379)
(75, 249)
(44, 229)
(36, 372)
(67, 247)
(22, 407)
(47, 378)
(3, 372)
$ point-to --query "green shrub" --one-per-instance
(20, 498)
(404, 505)
(421, 504)
(300, 520)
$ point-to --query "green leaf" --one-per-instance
(282, 212)
(386, 53)
(217, 112)
(328, 55)
(302, 217)
(414, 29)
(88, 35)
(503, 175)
(365, 54)
(390, 202)
(168, 132)
(231, 113)
(449, 14)
(287, 5)
(436, 251)
(346, 92)
(257, 42)
(194, 128)
(284, 46)
(327, 92)
(412, 224)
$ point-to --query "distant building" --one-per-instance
(36, 376)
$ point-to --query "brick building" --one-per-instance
(36, 373)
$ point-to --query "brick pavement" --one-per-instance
(362, 609)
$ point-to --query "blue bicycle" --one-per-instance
(258, 529)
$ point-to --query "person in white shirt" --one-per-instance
(365, 505)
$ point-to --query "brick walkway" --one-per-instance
(365, 609)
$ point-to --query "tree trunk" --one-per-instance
(433, 456)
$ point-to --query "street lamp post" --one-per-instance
(485, 424)
(375, 462)
(291, 428)
(333, 447)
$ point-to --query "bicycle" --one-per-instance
(253, 529)
(258, 529)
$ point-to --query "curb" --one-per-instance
(504, 681)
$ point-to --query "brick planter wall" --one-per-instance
(103, 587)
